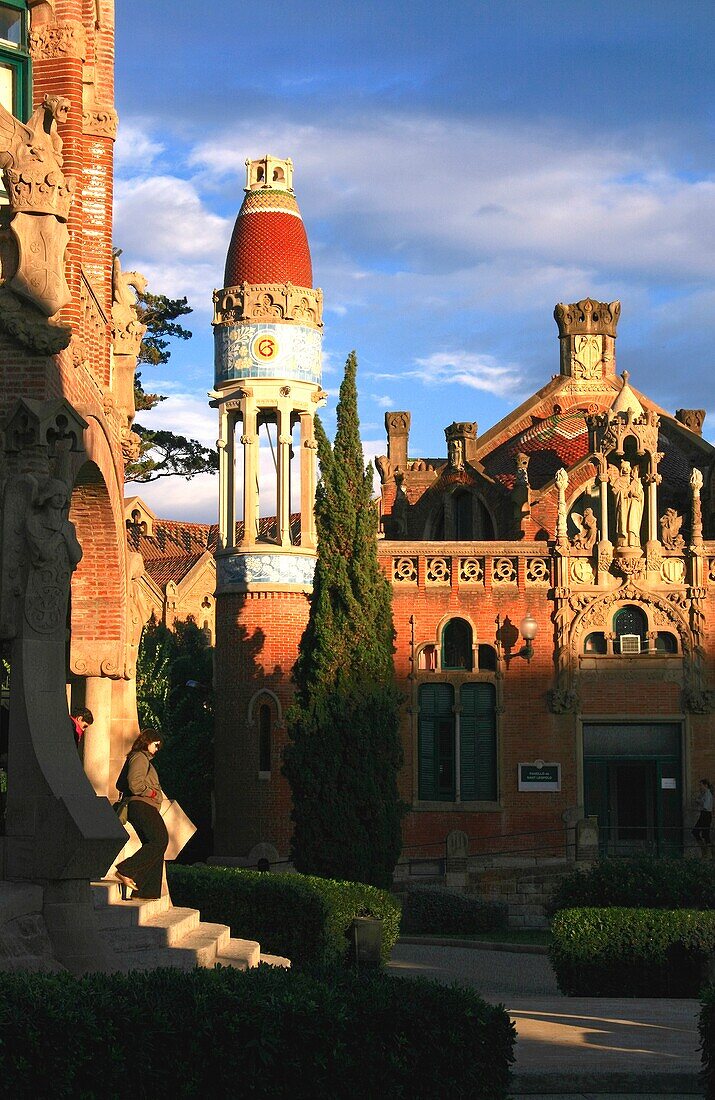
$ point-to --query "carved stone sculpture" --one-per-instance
(629, 497)
(692, 419)
(127, 329)
(587, 530)
(40, 197)
(54, 554)
(562, 481)
(670, 524)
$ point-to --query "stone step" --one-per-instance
(275, 960)
(163, 930)
(241, 954)
(207, 942)
(107, 894)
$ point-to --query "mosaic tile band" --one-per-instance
(255, 568)
(267, 351)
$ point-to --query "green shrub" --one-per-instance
(264, 1033)
(305, 918)
(644, 883)
(706, 1027)
(622, 952)
(434, 910)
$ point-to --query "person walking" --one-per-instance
(138, 783)
(701, 831)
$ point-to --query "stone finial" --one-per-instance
(269, 174)
(692, 419)
(587, 318)
(397, 426)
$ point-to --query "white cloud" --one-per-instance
(185, 414)
(478, 372)
(382, 400)
(135, 147)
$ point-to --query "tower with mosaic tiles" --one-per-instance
(268, 333)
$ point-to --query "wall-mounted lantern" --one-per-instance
(528, 628)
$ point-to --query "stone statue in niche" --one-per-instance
(670, 524)
(629, 497)
(40, 197)
(587, 530)
(455, 452)
(54, 554)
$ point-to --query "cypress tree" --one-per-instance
(344, 750)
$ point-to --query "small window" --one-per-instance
(457, 645)
(666, 643)
(11, 26)
(427, 660)
(629, 623)
(595, 643)
(264, 738)
(14, 59)
(487, 658)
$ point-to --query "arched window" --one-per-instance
(457, 645)
(14, 59)
(265, 721)
(631, 622)
(666, 642)
(487, 658)
(595, 643)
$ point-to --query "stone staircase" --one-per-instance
(143, 935)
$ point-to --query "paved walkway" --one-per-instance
(572, 1046)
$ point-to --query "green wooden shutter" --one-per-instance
(478, 743)
(435, 702)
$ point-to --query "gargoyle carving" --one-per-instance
(587, 530)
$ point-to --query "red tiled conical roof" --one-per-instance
(269, 243)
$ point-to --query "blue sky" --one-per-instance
(460, 169)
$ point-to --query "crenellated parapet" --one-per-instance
(587, 333)
(292, 305)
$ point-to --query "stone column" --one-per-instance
(224, 444)
(283, 472)
(249, 439)
(562, 480)
(97, 739)
(308, 448)
(603, 485)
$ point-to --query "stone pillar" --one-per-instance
(97, 739)
(397, 426)
(283, 472)
(308, 447)
(562, 480)
(249, 439)
(227, 490)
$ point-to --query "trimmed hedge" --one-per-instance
(644, 883)
(264, 1033)
(624, 952)
(434, 910)
(302, 917)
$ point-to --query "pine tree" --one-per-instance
(344, 751)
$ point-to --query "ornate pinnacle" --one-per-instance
(587, 318)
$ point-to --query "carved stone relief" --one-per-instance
(670, 524)
(100, 121)
(67, 38)
(296, 305)
(587, 357)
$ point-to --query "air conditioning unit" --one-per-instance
(630, 643)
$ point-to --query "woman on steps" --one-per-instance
(138, 782)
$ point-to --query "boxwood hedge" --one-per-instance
(300, 916)
(644, 883)
(434, 910)
(624, 952)
(264, 1033)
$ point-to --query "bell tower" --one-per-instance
(268, 334)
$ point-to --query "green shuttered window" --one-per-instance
(439, 763)
(477, 742)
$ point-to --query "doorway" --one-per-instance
(632, 784)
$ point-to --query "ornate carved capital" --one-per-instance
(30, 327)
(67, 38)
(100, 121)
(587, 318)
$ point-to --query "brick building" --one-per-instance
(552, 579)
(69, 337)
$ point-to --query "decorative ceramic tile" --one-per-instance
(256, 568)
(267, 351)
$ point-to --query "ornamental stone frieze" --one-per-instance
(100, 121)
(67, 38)
(289, 304)
(587, 318)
